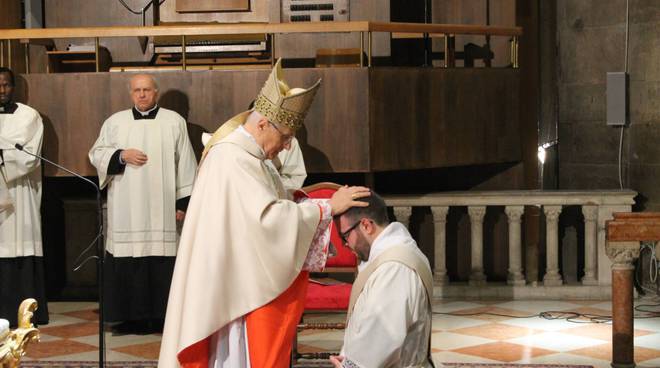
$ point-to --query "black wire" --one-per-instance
(128, 8)
(485, 314)
(573, 317)
(137, 12)
(652, 313)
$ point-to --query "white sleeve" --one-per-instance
(101, 153)
(18, 163)
(186, 164)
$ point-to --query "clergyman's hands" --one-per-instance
(345, 198)
(336, 360)
(180, 215)
(134, 157)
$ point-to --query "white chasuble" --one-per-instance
(242, 245)
(20, 185)
(391, 320)
(142, 199)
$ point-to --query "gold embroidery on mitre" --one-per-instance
(283, 105)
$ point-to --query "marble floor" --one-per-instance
(463, 331)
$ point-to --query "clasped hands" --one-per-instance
(133, 156)
(136, 157)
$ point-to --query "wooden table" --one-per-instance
(624, 233)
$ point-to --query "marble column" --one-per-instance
(552, 276)
(622, 255)
(477, 276)
(515, 276)
(440, 231)
(402, 215)
(590, 214)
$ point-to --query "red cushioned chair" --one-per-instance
(327, 295)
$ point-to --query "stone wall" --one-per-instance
(591, 42)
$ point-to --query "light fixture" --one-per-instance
(541, 154)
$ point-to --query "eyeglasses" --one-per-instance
(346, 233)
(286, 138)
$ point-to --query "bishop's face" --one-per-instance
(276, 139)
(143, 92)
(6, 89)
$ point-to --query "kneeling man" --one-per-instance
(389, 315)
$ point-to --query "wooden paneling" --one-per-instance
(96, 13)
(502, 13)
(212, 5)
(74, 107)
(424, 118)
(10, 17)
(362, 120)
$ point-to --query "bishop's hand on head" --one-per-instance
(347, 197)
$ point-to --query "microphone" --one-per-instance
(100, 245)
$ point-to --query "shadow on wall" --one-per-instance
(178, 101)
(313, 156)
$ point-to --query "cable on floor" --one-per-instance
(569, 316)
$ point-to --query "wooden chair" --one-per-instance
(327, 295)
(14, 343)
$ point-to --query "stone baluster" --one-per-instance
(477, 276)
(402, 215)
(622, 255)
(590, 214)
(603, 269)
(552, 276)
(515, 276)
(440, 231)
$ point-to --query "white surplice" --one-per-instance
(20, 222)
(142, 199)
(391, 319)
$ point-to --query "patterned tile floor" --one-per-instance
(470, 337)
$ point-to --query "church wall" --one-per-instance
(592, 42)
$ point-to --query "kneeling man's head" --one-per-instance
(360, 226)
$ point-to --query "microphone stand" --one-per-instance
(100, 247)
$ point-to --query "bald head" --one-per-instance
(144, 91)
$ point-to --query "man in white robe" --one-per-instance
(389, 315)
(240, 281)
(21, 250)
(144, 156)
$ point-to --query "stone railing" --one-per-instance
(597, 207)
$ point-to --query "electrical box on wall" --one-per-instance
(617, 98)
(315, 10)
